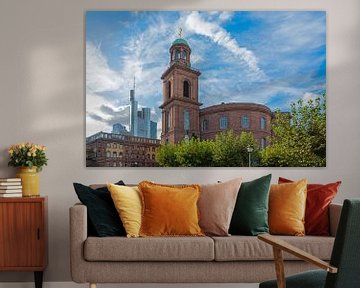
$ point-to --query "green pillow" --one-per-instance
(250, 216)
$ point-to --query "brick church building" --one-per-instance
(182, 116)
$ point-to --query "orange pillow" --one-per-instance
(318, 200)
(287, 204)
(169, 210)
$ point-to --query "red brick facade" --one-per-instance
(234, 112)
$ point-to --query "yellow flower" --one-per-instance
(11, 151)
(29, 154)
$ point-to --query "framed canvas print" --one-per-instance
(205, 88)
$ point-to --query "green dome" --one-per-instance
(180, 41)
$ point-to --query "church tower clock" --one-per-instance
(180, 107)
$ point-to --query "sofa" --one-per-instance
(233, 259)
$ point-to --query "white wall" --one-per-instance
(42, 100)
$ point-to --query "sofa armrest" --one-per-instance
(78, 235)
(334, 217)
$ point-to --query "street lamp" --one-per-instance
(186, 138)
(249, 150)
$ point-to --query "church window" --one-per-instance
(167, 121)
(263, 143)
(186, 122)
(223, 122)
(245, 123)
(184, 55)
(205, 125)
(169, 89)
(114, 154)
(186, 89)
(262, 123)
(177, 54)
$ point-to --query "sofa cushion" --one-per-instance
(318, 199)
(103, 218)
(169, 210)
(149, 249)
(250, 215)
(287, 204)
(127, 201)
(244, 248)
(216, 205)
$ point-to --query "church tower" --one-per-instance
(180, 107)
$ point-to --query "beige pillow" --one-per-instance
(216, 206)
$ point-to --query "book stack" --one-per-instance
(10, 187)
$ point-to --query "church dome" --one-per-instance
(180, 41)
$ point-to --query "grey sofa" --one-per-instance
(234, 259)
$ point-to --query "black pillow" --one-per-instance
(103, 217)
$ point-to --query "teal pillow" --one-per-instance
(250, 216)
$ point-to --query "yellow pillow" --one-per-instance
(287, 204)
(169, 210)
(127, 201)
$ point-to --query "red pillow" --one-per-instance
(319, 197)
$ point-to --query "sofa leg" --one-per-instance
(92, 285)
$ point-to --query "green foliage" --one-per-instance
(165, 155)
(227, 150)
(27, 155)
(299, 138)
(195, 153)
(230, 149)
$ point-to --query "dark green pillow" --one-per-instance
(250, 216)
(103, 218)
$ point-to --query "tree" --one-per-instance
(299, 137)
(230, 149)
(195, 153)
(165, 155)
(227, 150)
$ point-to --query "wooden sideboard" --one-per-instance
(23, 235)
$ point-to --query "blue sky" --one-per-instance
(266, 57)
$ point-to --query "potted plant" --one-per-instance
(30, 158)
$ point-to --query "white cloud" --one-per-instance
(226, 16)
(292, 31)
(309, 96)
(195, 23)
(144, 57)
(101, 114)
(99, 77)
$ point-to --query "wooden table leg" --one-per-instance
(38, 279)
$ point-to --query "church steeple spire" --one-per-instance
(180, 51)
(180, 107)
(180, 32)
